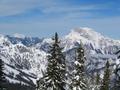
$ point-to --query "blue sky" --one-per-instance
(44, 17)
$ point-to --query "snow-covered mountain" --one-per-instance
(25, 57)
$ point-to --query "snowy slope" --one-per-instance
(22, 63)
(25, 57)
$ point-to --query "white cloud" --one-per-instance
(58, 8)
(14, 7)
(63, 9)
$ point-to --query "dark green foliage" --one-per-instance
(18, 86)
(117, 78)
(97, 79)
(117, 74)
(55, 75)
(2, 77)
(78, 81)
(106, 78)
(97, 83)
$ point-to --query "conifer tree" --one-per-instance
(97, 78)
(106, 78)
(97, 82)
(79, 80)
(117, 78)
(2, 77)
(116, 72)
(54, 78)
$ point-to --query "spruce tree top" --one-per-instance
(107, 64)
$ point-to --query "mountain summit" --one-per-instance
(88, 35)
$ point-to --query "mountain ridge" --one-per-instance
(27, 57)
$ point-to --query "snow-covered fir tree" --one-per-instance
(93, 81)
(54, 78)
(106, 78)
(79, 79)
(2, 77)
(117, 78)
(97, 82)
(97, 78)
(117, 73)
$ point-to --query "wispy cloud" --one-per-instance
(67, 9)
(13, 7)
(16, 7)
